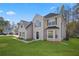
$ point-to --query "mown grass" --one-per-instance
(12, 47)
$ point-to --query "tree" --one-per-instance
(3, 24)
(76, 19)
(72, 27)
(65, 15)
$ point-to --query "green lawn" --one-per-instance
(12, 47)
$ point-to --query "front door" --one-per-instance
(37, 35)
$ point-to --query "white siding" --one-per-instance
(22, 30)
(30, 32)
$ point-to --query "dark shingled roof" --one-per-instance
(28, 25)
(25, 23)
(53, 27)
(50, 15)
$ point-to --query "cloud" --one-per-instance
(1, 11)
(10, 13)
(7, 19)
(52, 8)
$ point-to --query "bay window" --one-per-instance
(50, 34)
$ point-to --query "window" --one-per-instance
(37, 35)
(56, 20)
(20, 34)
(56, 34)
(50, 34)
(21, 26)
(52, 22)
(37, 23)
(23, 34)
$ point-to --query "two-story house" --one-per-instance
(51, 27)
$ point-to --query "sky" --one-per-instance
(14, 12)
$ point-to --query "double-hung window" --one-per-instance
(52, 22)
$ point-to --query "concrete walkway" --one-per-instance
(16, 35)
(16, 38)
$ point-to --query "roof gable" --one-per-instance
(24, 23)
(50, 15)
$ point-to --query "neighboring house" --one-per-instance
(15, 30)
(25, 30)
(7, 29)
(51, 27)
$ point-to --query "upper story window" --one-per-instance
(56, 20)
(52, 22)
(37, 23)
